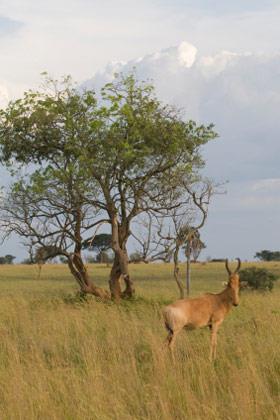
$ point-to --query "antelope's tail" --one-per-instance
(168, 319)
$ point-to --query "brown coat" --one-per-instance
(207, 310)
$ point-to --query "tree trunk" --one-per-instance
(80, 273)
(120, 267)
(188, 273)
(77, 266)
(114, 282)
(176, 272)
(129, 290)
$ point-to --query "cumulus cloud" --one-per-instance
(240, 93)
(78, 37)
(212, 80)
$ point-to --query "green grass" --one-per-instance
(64, 359)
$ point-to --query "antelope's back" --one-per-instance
(195, 313)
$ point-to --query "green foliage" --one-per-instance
(266, 255)
(123, 155)
(45, 132)
(100, 244)
(129, 137)
(258, 278)
(46, 124)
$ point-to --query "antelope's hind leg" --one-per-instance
(170, 340)
(170, 336)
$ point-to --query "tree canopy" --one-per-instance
(100, 242)
(7, 259)
(89, 161)
(266, 255)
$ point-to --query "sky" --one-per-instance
(218, 60)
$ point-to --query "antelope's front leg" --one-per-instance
(213, 347)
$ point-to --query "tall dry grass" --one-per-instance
(64, 359)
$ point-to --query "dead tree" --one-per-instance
(184, 223)
(151, 246)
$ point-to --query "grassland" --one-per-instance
(64, 359)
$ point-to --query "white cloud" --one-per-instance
(230, 77)
(78, 37)
(240, 93)
(272, 185)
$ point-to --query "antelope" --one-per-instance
(208, 310)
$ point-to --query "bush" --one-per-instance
(135, 257)
(27, 261)
(258, 278)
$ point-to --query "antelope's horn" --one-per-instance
(238, 266)
(227, 267)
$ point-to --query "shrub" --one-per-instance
(258, 278)
(136, 257)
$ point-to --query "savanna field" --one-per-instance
(61, 358)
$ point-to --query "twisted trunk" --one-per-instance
(80, 273)
(120, 269)
(78, 268)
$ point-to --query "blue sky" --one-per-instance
(9, 26)
(238, 90)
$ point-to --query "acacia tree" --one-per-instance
(7, 259)
(144, 154)
(99, 243)
(128, 154)
(266, 255)
(41, 136)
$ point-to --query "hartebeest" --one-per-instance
(208, 310)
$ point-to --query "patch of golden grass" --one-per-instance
(64, 359)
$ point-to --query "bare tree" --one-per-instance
(182, 225)
(151, 246)
(201, 193)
